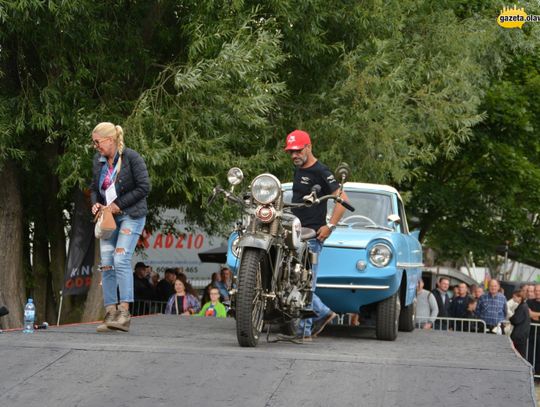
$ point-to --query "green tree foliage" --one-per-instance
(487, 194)
(490, 192)
(212, 112)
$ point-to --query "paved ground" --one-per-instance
(166, 361)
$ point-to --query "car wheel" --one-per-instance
(388, 318)
(407, 317)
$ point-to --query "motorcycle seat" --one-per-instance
(307, 234)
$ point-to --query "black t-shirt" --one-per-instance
(534, 305)
(164, 290)
(304, 179)
(142, 288)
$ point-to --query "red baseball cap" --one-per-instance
(297, 140)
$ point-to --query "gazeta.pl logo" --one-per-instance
(515, 17)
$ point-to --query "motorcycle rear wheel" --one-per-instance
(250, 303)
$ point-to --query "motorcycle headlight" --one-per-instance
(380, 255)
(235, 176)
(265, 188)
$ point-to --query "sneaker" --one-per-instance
(109, 317)
(121, 322)
(318, 328)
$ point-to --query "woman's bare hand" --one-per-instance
(96, 207)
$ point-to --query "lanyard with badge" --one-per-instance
(110, 192)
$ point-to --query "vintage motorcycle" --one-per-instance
(275, 278)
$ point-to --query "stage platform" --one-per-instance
(171, 361)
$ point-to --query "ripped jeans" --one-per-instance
(116, 254)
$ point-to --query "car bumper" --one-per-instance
(348, 294)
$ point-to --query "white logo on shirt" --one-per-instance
(305, 180)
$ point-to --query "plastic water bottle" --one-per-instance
(29, 316)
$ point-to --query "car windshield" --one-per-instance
(371, 209)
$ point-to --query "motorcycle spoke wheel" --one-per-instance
(250, 303)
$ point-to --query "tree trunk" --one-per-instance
(12, 284)
(57, 238)
(93, 308)
(40, 266)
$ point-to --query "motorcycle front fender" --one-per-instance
(257, 240)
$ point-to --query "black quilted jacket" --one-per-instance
(132, 184)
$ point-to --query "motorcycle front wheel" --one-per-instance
(249, 298)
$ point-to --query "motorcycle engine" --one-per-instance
(296, 273)
(295, 299)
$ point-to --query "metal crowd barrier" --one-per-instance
(455, 324)
(532, 353)
(145, 307)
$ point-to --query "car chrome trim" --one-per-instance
(354, 286)
(338, 246)
(410, 265)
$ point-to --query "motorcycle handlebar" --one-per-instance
(311, 201)
(228, 195)
(345, 204)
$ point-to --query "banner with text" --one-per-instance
(163, 250)
(80, 259)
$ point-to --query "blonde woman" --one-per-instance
(120, 182)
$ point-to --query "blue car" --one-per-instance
(371, 263)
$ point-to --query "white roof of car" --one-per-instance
(362, 186)
(371, 187)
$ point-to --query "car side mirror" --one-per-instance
(394, 219)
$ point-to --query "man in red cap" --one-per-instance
(308, 173)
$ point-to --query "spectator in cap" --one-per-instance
(142, 289)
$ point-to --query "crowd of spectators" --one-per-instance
(440, 310)
(174, 294)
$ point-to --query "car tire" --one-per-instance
(388, 318)
(407, 317)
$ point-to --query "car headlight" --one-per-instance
(235, 248)
(265, 188)
(380, 255)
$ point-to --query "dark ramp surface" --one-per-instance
(171, 361)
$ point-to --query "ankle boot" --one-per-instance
(111, 315)
(121, 322)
